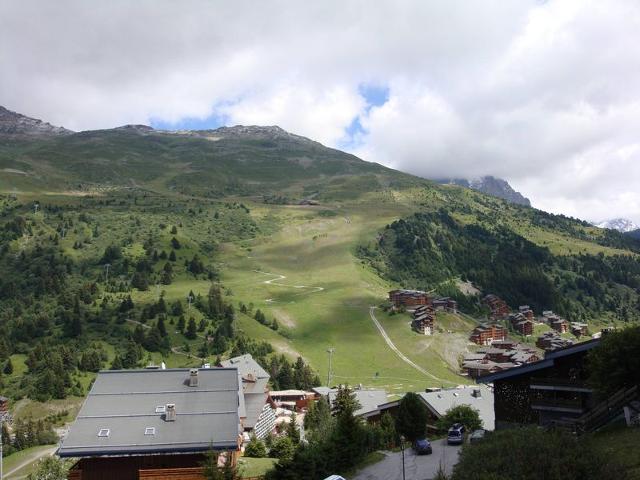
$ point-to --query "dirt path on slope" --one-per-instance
(401, 355)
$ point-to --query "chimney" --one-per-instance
(476, 393)
(170, 413)
(193, 377)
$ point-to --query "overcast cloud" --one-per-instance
(544, 94)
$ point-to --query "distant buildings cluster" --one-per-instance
(500, 355)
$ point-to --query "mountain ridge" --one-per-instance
(494, 186)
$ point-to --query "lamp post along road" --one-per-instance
(330, 352)
(402, 439)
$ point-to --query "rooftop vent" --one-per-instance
(150, 431)
(476, 393)
(104, 432)
(193, 377)
(161, 409)
(170, 415)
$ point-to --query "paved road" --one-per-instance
(402, 356)
(417, 467)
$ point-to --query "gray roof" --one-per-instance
(246, 365)
(254, 403)
(441, 401)
(125, 401)
(369, 400)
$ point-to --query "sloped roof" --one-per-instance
(246, 365)
(125, 401)
(441, 401)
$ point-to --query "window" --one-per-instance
(161, 409)
(104, 432)
(150, 431)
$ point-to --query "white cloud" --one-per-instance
(546, 94)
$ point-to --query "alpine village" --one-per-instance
(199, 302)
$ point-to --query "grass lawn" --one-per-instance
(324, 299)
(16, 459)
(623, 445)
(255, 467)
(27, 408)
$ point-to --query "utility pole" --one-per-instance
(1, 450)
(106, 276)
(329, 373)
(189, 298)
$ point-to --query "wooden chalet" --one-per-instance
(543, 392)
(521, 324)
(579, 329)
(527, 312)
(550, 341)
(143, 424)
(445, 305)
(408, 298)
(424, 318)
(498, 308)
(485, 334)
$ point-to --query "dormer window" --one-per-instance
(150, 431)
(104, 432)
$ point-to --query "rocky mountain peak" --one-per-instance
(490, 185)
(623, 225)
(16, 125)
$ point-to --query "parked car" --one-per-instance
(422, 447)
(476, 436)
(334, 477)
(455, 436)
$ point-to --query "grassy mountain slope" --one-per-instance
(232, 195)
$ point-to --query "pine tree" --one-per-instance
(181, 324)
(161, 326)
(292, 430)
(8, 367)
(172, 256)
(117, 363)
(192, 329)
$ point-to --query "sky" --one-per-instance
(545, 94)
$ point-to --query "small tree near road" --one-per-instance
(412, 417)
(464, 414)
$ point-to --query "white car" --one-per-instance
(335, 477)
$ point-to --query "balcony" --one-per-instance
(559, 385)
(567, 405)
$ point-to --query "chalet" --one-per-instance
(257, 416)
(445, 305)
(294, 400)
(424, 320)
(543, 392)
(498, 307)
(527, 312)
(550, 341)
(408, 298)
(579, 329)
(485, 334)
(560, 325)
(478, 397)
(140, 424)
(482, 367)
(373, 403)
(520, 324)
(498, 358)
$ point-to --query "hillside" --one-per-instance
(107, 234)
(258, 161)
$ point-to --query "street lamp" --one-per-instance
(330, 352)
(402, 439)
